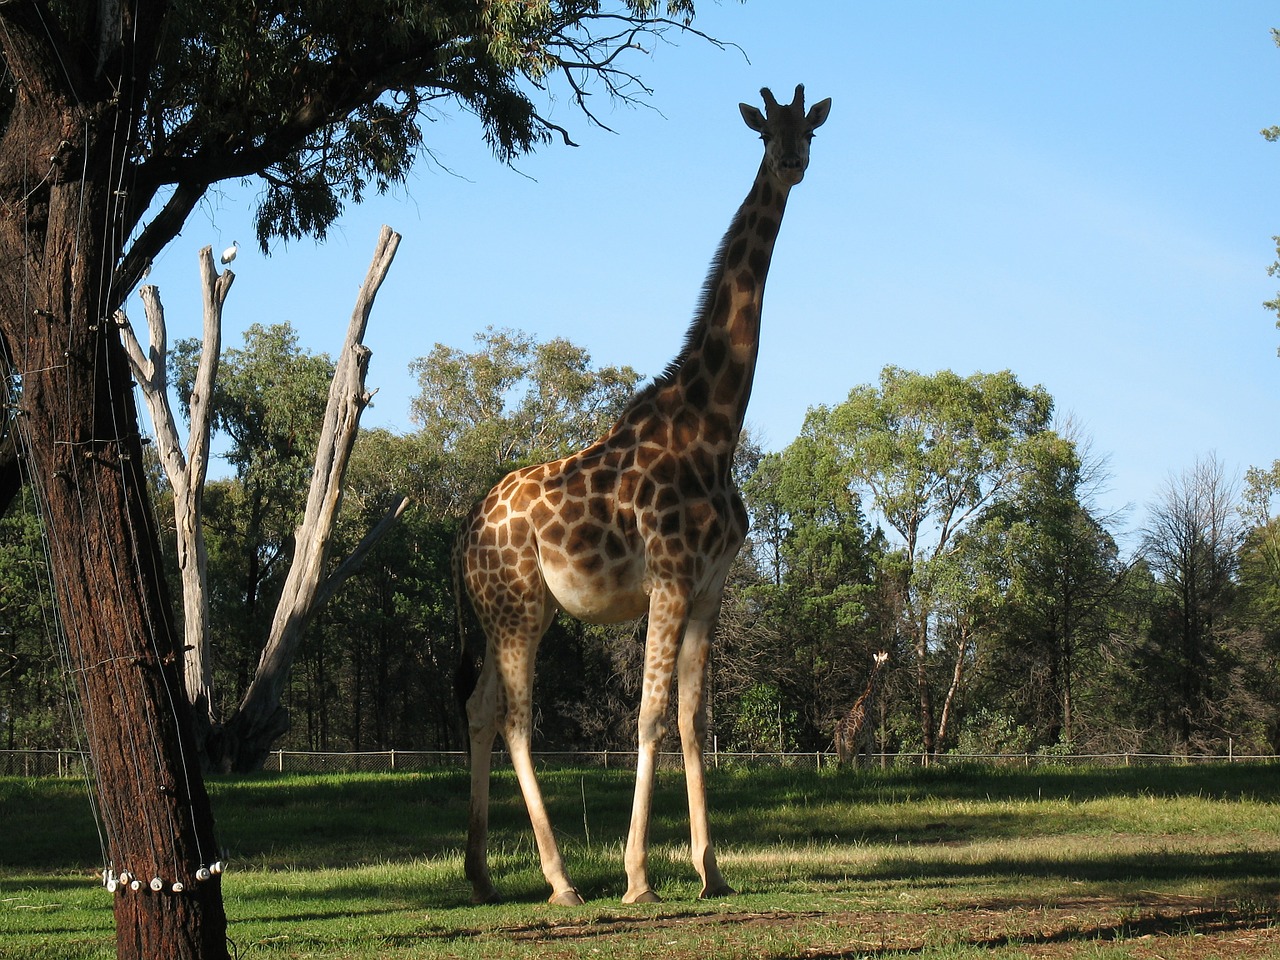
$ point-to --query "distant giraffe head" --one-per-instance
(786, 131)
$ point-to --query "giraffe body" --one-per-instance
(645, 520)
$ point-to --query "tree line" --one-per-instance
(945, 520)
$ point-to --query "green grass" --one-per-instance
(959, 862)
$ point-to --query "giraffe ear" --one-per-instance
(818, 113)
(753, 116)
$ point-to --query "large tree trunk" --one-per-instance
(78, 430)
(79, 433)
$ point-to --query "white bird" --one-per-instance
(229, 254)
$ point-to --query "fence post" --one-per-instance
(280, 761)
(393, 761)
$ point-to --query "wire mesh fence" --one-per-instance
(75, 763)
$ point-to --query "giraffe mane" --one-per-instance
(692, 337)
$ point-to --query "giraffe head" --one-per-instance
(786, 131)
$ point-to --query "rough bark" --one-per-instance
(64, 140)
(79, 435)
(246, 738)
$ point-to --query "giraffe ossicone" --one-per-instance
(645, 520)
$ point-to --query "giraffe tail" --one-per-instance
(466, 674)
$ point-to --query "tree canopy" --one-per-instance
(322, 102)
(115, 121)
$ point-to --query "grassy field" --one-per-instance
(973, 862)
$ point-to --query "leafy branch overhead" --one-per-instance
(327, 100)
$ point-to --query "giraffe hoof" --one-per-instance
(644, 896)
(567, 898)
(482, 897)
(714, 893)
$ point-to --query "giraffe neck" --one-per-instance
(713, 374)
(871, 687)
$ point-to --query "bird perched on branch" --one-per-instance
(229, 254)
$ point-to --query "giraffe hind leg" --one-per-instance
(482, 714)
(516, 676)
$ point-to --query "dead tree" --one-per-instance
(243, 741)
(186, 472)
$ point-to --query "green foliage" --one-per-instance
(933, 451)
(761, 723)
(512, 401)
(327, 100)
(35, 695)
(1043, 574)
(812, 600)
(987, 731)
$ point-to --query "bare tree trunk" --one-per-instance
(957, 676)
(919, 623)
(261, 719)
(187, 473)
(244, 741)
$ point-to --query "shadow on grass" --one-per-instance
(311, 822)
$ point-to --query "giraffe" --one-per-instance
(852, 731)
(645, 520)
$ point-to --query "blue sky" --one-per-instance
(1072, 191)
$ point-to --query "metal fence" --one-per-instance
(74, 763)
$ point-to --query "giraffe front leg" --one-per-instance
(694, 653)
(666, 623)
(563, 892)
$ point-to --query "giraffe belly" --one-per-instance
(611, 595)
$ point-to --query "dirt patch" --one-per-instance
(1171, 928)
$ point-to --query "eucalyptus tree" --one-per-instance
(817, 560)
(115, 121)
(1048, 572)
(1256, 614)
(931, 452)
(1191, 543)
(512, 400)
(1261, 508)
